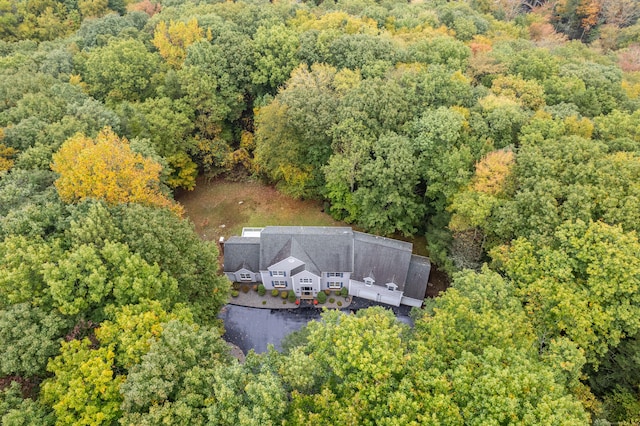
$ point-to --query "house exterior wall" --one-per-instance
(409, 301)
(375, 292)
(268, 281)
(343, 281)
(306, 279)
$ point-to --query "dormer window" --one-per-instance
(392, 286)
(278, 274)
(368, 281)
(334, 274)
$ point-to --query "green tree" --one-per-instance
(131, 329)
(18, 411)
(28, 338)
(275, 56)
(86, 278)
(122, 70)
(84, 389)
(22, 278)
(583, 285)
(293, 132)
(171, 380)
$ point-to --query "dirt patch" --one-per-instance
(438, 282)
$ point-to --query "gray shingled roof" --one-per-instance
(417, 277)
(242, 252)
(321, 248)
(385, 258)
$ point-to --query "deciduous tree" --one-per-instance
(106, 168)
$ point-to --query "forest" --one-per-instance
(505, 131)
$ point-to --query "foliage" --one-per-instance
(121, 70)
(582, 286)
(476, 124)
(322, 297)
(28, 337)
(173, 40)
(173, 375)
(84, 389)
(106, 168)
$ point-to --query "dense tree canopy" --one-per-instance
(506, 132)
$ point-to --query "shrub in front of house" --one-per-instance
(327, 292)
(331, 300)
(245, 289)
(292, 296)
(322, 297)
(234, 293)
(275, 292)
(339, 303)
(261, 290)
(284, 294)
(344, 292)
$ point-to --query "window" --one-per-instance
(334, 274)
(278, 274)
(334, 285)
(392, 286)
(306, 281)
(368, 282)
(245, 277)
(279, 284)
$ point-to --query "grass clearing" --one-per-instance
(221, 208)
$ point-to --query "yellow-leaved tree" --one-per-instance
(105, 168)
(172, 40)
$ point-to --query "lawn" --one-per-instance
(221, 208)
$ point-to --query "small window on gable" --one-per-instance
(392, 286)
(278, 274)
(368, 281)
(245, 277)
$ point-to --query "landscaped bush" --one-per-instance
(327, 292)
(275, 292)
(284, 294)
(261, 290)
(339, 303)
(322, 297)
(292, 296)
(245, 289)
(344, 292)
(236, 286)
(255, 287)
(331, 300)
(234, 293)
(264, 302)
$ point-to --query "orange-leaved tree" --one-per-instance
(105, 168)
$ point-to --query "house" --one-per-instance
(309, 259)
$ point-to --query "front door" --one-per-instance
(307, 292)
